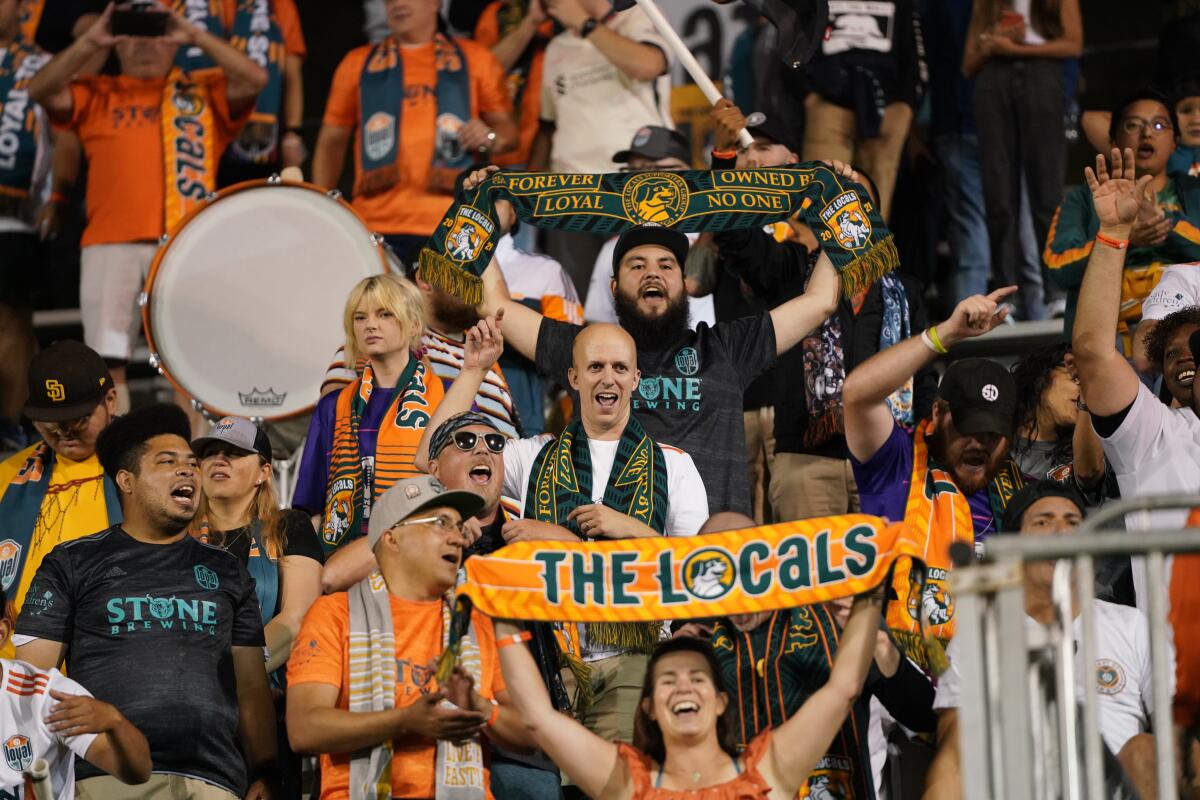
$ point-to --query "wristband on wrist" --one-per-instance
(495, 715)
(516, 638)
(58, 198)
(930, 337)
(1119, 244)
(724, 154)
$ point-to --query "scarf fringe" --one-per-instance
(377, 181)
(460, 622)
(450, 277)
(637, 637)
(859, 274)
(584, 694)
(824, 428)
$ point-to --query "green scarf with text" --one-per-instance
(839, 212)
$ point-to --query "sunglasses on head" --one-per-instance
(466, 440)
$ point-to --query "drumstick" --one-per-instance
(292, 175)
(39, 776)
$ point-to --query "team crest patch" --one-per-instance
(187, 101)
(687, 361)
(10, 562)
(379, 135)
(206, 577)
(649, 388)
(847, 221)
(708, 574)
(659, 198)
(337, 522)
(18, 752)
(1110, 678)
(831, 779)
(469, 235)
(934, 603)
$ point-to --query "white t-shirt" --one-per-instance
(531, 276)
(1177, 288)
(600, 308)
(595, 107)
(687, 501)
(25, 702)
(1156, 450)
(1122, 673)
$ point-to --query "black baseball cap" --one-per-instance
(672, 240)
(655, 141)
(773, 128)
(1014, 513)
(67, 381)
(982, 396)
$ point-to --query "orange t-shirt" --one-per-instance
(487, 33)
(409, 207)
(321, 654)
(117, 120)
(286, 17)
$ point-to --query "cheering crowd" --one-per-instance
(176, 627)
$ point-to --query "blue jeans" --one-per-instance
(514, 781)
(966, 223)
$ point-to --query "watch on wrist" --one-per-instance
(586, 29)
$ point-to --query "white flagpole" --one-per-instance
(688, 60)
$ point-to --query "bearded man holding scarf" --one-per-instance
(153, 136)
(603, 478)
(952, 477)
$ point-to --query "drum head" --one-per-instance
(244, 302)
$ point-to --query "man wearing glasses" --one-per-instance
(1167, 230)
(55, 490)
(389, 630)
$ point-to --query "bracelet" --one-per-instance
(1119, 244)
(58, 198)
(516, 638)
(491, 721)
(930, 338)
(724, 154)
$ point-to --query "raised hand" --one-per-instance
(727, 120)
(99, 34)
(484, 344)
(1117, 197)
(479, 176)
(975, 316)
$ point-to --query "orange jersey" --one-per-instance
(410, 207)
(322, 655)
(487, 33)
(117, 120)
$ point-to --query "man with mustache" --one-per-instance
(692, 381)
(952, 477)
(159, 625)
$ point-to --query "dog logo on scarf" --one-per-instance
(338, 521)
(934, 602)
(846, 219)
(823, 788)
(469, 235)
(708, 574)
(659, 198)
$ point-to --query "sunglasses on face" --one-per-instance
(466, 441)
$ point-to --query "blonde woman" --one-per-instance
(363, 438)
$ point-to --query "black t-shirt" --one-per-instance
(690, 394)
(149, 628)
(300, 539)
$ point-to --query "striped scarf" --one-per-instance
(941, 516)
(356, 479)
(562, 480)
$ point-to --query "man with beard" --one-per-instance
(144, 598)
(690, 392)
(951, 478)
(1166, 351)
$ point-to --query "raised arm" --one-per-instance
(1109, 384)
(509, 49)
(484, 344)
(868, 420)
(638, 60)
(589, 761)
(244, 78)
(50, 87)
(796, 318)
(799, 743)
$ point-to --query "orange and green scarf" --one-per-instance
(189, 144)
(642, 580)
(356, 479)
(939, 515)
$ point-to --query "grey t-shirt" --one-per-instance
(150, 629)
(690, 394)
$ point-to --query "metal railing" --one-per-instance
(1019, 731)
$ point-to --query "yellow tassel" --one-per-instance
(450, 277)
(869, 267)
(584, 696)
(638, 637)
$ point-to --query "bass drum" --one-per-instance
(243, 304)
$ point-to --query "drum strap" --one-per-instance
(265, 571)
(18, 63)
(381, 106)
(189, 142)
(256, 33)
